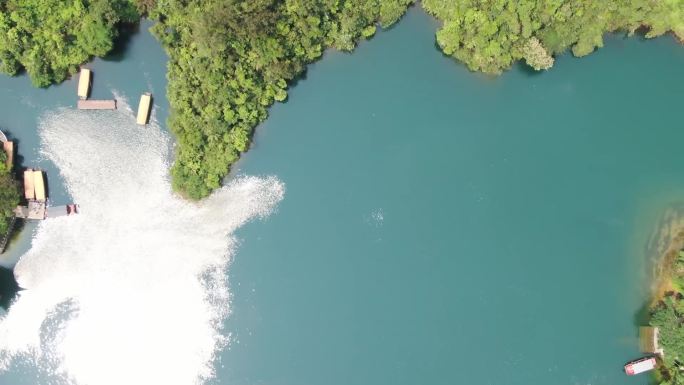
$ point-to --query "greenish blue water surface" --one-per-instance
(443, 227)
(439, 226)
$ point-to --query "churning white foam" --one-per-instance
(133, 289)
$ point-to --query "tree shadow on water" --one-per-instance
(8, 287)
(521, 67)
(121, 42)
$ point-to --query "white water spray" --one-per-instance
(133, 289)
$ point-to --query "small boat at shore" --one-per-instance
(640, 366)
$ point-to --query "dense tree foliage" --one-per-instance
(9, 194)
(231, 59)
(489, 35)
(668, 316)
(51, 38)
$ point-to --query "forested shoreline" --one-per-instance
(489, 36)
(230, 60)
(667, 308)
(50, 39)
(9, 194)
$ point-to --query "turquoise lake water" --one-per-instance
(438, 226)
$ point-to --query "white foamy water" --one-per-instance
(133, 289)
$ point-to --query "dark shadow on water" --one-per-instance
(18, 167)
(16, 231)
(299, 78)
(122, 41)
(46, 184)
(8, 287)
(460, 63)
(642, 316)
(521, 67)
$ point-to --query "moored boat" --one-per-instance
(144, 108)
(640, 366)
(84, 83)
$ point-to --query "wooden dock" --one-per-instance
(648, 340)
(96, 104)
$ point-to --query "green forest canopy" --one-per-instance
(9, 194)
(229, 60)
(490, 35)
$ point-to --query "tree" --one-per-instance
(51, 38)
(9, 194)
(536, 56)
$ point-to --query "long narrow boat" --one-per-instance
(29, 192)
(640, 366)
(144, 108)
(84, 83)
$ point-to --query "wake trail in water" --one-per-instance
(133, 289)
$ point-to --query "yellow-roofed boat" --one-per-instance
(29, 192)
(144, 108)
(84, 83)
(39, 185)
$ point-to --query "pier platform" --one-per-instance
(96, 104)
(61, 211)
(40, 210)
